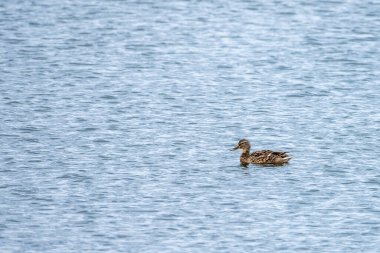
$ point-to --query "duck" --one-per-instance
(261, 156)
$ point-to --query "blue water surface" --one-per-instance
(116, 120)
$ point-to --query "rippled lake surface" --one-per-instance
(117, 118)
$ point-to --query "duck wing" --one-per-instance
(269, 156)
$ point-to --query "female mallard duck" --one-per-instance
(260, 157)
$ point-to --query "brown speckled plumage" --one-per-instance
(260, 157)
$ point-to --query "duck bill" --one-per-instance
(236, 147)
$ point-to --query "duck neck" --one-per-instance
(246, 152)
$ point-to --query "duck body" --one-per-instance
(261, 156)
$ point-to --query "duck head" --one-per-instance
(244, 145)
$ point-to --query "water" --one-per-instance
(117, 118)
